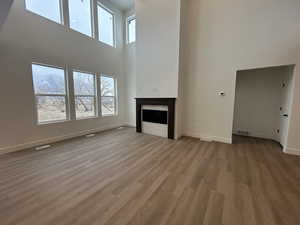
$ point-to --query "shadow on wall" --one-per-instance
(263, 99)
(5, 6)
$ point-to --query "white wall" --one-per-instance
(27, 38)
(286, 104)
(258, 98)
(293, 145)
(225, 36)
(130, 70)
(179, 117)
(4, 10)
(158, 26)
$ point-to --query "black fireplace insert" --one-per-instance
(160, 116)
(155, 116)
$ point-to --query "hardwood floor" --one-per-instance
(120, 177)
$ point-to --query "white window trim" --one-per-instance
(92, 21)
(114, 23)
(66, 95)
(70, 95)
(115, 95)
(65, 20)
(128, 19)
(95, 96)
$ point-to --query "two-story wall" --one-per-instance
(25, 38)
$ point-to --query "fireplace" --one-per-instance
(156, 116)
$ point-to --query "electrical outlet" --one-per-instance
(221, 93)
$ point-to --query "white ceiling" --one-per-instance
(123, 4)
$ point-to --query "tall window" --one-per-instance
(106, 26)
(49, 9)
(131, 32)
(108, 96)
(50, 91)
(80, 12)
(85, 94)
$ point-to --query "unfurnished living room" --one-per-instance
(149, 112)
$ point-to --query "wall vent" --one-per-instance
(245, 133)
(43, 147)
(90, 135)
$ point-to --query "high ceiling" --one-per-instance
(123, 4)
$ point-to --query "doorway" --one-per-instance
(263, 100)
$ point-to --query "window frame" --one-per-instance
(128, 20)
(92, 20)
(61, 13)
(115, 95)
(95, 31)
(66, 95)
(95, 96)
(100, 4)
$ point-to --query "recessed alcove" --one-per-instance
(263, 100)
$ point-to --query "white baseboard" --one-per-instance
(178, 137)
(291, 151)
(127, 124)
(54, 139)
(222, 140)
(193, 135)
(209, 138)
(263, 136)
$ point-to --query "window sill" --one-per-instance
(60, 23)
(92, 37)
(110, 115)
(87, 118)
(131, 43)
(107, 45)
(52, 122)
(77, 119)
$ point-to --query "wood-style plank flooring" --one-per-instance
(120, 177)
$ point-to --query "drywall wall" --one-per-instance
(293, 145)
(287, 85)
(4, 10)
(130, 70)
(158, 31)
(179, 117)
(25, 38)
(225, 36)
(158, 50)
(258, 97)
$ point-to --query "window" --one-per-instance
(80, 13)
(48, 9)
(85, 94)
(131, 33)
(106, 26)
(108, 96)
(50, 92)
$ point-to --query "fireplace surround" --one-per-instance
(169, 102)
